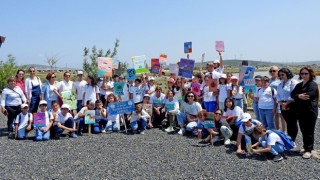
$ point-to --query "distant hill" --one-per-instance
(40, 66)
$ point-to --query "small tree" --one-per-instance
(53, 60)
(7, 69)
(91, 67)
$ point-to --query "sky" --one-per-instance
(273, 30)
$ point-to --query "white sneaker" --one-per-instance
(181, 132)
(227, 142)
(169, 129)
(142, 132)
(306, 155)
(216, 139)
(103, 131)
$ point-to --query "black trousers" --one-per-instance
(290, 116)
(307, 123)
(13, 111)
(157, 119)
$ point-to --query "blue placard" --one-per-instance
(188, 47)
(186, 67)
(131, 74)
(121, 107)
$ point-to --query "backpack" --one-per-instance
(20, 117)
(287, 141)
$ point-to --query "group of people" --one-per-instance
(280, 102)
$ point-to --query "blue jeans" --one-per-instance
(113, 126)
(182, 118)
(141, 124)
(210, 106)
(238, 102)
(256, 110)
(41, 136)
(267, 118)
(79, 106)
(68, 123)
(22, 133)
(275, 149)
(102, 123)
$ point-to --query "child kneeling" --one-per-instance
(23, 123)
(270, 141)
(139, 118)
(64, 121)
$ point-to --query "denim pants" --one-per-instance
(41, 136)
(226, 132)
(141, 124)
(79, 106)
(182, 119)
(256, 109)
(100, 124)
(210, 106)
(275, 149)
(68, 123)
(267, 118)
(22, 133)
(113, 126)
(238, 102)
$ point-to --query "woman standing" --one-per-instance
(11, 99)
(306, 97)
(20, 81)
(284, 89)
(50, 90)
(33, 90)
(91, 90)
(237, 92)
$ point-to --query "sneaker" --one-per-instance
(195, 132)
(103, 131)
(181, 132)
(277, 158)
(203, 142)
(169, 129)
(73, 135)
(142, 132)
(227, 142)
(306, 155)
(216, 139)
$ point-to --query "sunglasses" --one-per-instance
(32, 71)
(190, 96)
(272, 71)
(21, 74)
(218, 114)
(53, 77)
(304, 73)
(67, 75)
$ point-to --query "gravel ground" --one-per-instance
(155, 155)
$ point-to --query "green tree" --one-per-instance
(90, 64)
(7, 69)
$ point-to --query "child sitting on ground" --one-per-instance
(270, 141)
(64, 121)
(23, 123)
(139, 119)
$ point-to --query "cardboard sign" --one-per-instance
(186, 67)
(195, 87)
(220, 46)
(140, 64)
(246, 72)
(155, 66)
(213, 85)
(163, 59)
(188, 47)
(208, 124)
(162, 81)
(121, 107)
(69, 98)
(104, 66)
(249, 86)
(147, 108)
(40, 119)
(174, 69)
(118, 88)
(131, 75)
(90, 117)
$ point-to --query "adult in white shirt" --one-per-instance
(91, 91)
(33, 90)
(64, 121)
(158, 110)
(23, 123)
(218, 65)
(66, 84)
(78, 87)
(267, 103)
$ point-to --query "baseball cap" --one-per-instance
(258, 77)
(151, 78)
(43, 102)
(223, 76)
(24, 106)
(65, 106)
(79, 72)
(245, 117)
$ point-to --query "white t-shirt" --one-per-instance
(109, 85)
(90, 93)
(23, 120)
(223, 91)
(178, 94)
(65, 86)
(249, 130)
(157, 102)
(272, 138)
(48, 118)
(171, 105)
(52, 95)
(150, 87)
(207, 95)
(266, 100)
(192, 109)
(114, 117)
(136, 93)
(125, 96)
(62, 119)
(239, 90)
(214, 74)
(237, 111)
(135, 116)
(79, 86)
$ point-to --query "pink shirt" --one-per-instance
(21, 85)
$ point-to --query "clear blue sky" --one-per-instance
(273, 30)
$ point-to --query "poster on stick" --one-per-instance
(219, 46)
(186, 67)
(104, 66)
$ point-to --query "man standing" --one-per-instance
(78, 87)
